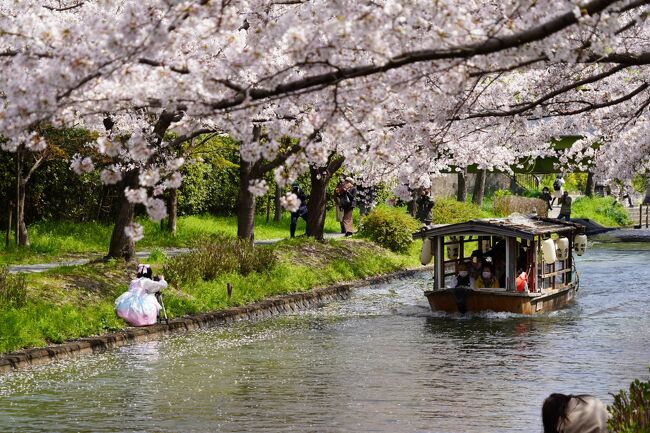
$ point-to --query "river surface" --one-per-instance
(379, 362)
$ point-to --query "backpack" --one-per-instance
(557, 185)
(345, 201)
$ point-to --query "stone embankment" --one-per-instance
(258, 310)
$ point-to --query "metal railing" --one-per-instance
(526, 181)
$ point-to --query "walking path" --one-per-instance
(169, 252)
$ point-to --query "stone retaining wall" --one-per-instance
(258, 310)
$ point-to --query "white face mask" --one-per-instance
(487, 275)
(462, 273)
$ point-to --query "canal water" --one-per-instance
(379, 362)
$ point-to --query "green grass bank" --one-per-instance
(72, 302)
(61, 240)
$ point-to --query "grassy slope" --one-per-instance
(603, 210)
(53, 241)
(71, 302)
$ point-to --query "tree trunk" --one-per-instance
(121, 245)
(479, 187)
(172, 209)
(268, 207)
(22, 240)
(317, 204)
(19, 171)
(461, 194)
(276, 199)
(646, 199)
(590, 188)
(246, 199)
(245, 204)
(9, 224)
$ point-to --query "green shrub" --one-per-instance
(603, 210)
(501, 193)
(531, 193)
(451, 211)
(219, 254)
(630, 413)
(390, 227)
(13, 290)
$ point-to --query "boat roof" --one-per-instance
(516, 225)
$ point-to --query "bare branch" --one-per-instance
(180, 70)
(190, 136)
(66, 8)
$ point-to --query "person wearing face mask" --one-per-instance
(463, 278)
(487, 279)
(477, 265)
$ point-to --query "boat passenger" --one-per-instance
(477, 265)
(463, 278)
(487, 279)
(500, 269)
(521, 282)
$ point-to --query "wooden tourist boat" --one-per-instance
(541, 248)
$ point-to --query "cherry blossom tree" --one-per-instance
(401, 90)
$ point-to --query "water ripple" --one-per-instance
(378, 362)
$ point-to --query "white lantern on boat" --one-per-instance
(580, 244)
(548, 248)
(562, 248)
(453, 249)
(425, 254)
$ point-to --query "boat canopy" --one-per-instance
(524, 227)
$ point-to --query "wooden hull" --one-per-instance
(465, 300)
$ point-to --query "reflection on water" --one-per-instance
(381, 362)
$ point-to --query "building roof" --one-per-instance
(515, 225)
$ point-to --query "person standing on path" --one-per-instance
(302, 209)
(546, 196)
(346, 195)
(337, 205)
(558, 188)
(565, 210)
(425, 204)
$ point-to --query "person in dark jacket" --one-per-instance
(302, 209)
(425, 204)
(345, 196)
(463, 278)
(546, 196)
(565, 209)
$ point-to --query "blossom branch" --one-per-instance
(489, 46)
